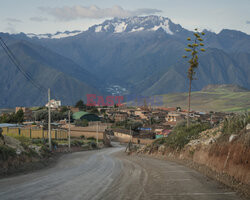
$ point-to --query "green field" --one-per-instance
(225, 98)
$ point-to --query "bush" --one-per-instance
(160, 141)
(82, 137)
(93, 145)
(82, 123)
(77, 143)
(91, 138)
(6, 152)
(234, 124)
(181, 135)
(31, 153)
(45, 152)
(23, 139)
(39, 141)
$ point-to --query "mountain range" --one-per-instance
(136, 55)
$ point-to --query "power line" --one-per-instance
(19, 66)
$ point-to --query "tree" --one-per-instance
(80, 104)
(19, 116)
(64, 109)
(193, 49)
(135, 125)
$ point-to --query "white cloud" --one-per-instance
(13, 20)
(67, 13)
(38, 19)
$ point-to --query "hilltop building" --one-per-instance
(53, 104)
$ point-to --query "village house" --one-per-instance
(53, 104)
(141, 113)
(159, 133)
(119, 116)
(174, 117)
(74, 109)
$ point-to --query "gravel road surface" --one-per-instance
(109, 174)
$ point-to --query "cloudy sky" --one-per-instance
(50, 16)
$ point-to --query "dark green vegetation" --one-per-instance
(127, 124)
(80, 104)
(144, 62)
(234, 124)
(82, 123)
(42, 115)
(17, 117)
(181, 135)
(228, 98)
(6, 152)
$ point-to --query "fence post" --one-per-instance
(30, 133)
(56, 134)
(19, 131)
(43, 132)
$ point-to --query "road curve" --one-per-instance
(110, 174)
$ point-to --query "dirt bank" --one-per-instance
(25, 164)
(227, 162)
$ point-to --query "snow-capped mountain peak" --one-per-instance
(135, 24)
(57, 35)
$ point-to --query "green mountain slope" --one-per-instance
(65, 85)
(228, 98)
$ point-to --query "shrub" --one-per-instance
(77, 143)
(82, 137)
(181, 135)
(82, 123)
(23, 139)
(90, 138)
(39, 141)
(6, 152)
(31, 153)
(234, 124)
(45, 152)
(93, 145)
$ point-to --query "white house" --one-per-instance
(54, 104)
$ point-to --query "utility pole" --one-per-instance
(49, 122)
(97, 133)
(130, 134)
(69, 134)
(128, 148)
(130, 142)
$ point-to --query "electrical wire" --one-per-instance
(19, 66)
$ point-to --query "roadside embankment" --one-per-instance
(22, 155)
(223, 157)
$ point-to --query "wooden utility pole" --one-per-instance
(69, 133)
(49, 121)
(128, 148)
(130, 134)
(189, 99)
(97, 133)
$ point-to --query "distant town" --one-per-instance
(144, 122)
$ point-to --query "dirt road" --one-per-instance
(110, 174)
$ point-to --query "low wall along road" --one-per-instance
(35, 133)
